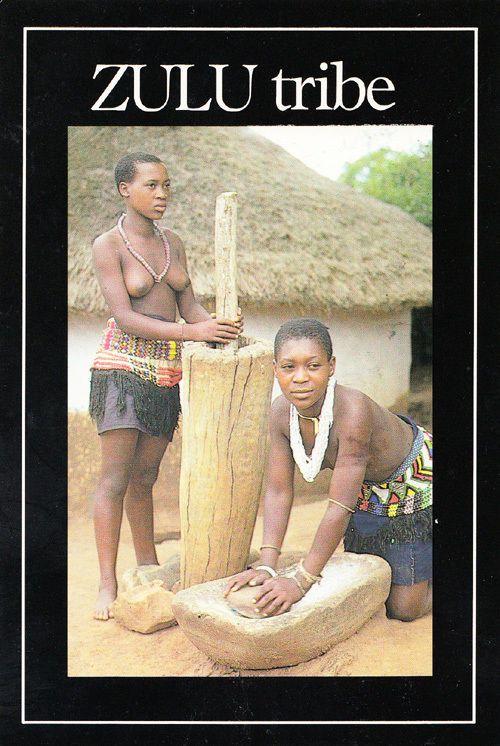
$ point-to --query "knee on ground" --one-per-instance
(406, 611)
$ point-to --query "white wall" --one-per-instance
(373, 352)
(83, 338)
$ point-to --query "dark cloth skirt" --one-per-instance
(122, 400)
(404, 542)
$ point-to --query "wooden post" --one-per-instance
(226, 395)
(226, 296)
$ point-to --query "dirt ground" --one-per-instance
(382, 647)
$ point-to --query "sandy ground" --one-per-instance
(382, 647)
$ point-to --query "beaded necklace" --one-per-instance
(310, 465)
(139, 257)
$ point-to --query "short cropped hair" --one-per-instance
(126, 167)
(304, 329)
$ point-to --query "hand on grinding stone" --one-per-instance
(276, 596)
(242, 602)
(251, 576)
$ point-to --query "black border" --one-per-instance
(45, 446)
(47, 409)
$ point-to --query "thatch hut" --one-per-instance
(307, 246)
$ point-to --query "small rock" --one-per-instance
(168, 573)
(241, 601)
(353, 588)
(145, 608)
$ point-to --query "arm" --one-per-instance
(352, 458)
(355, 428)
(278, 499)
(110, 277)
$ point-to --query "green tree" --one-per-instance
(402, 179)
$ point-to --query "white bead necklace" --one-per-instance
(140, 258)
(310, 465)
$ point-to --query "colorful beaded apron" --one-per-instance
(147, 369)
(408, 489)
(154, 360)
(401, 507)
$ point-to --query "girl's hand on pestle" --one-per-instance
(276, 596)
(238, 321)
(215, 330)
(250, 577)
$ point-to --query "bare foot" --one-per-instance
(105, 598)
(176, 587)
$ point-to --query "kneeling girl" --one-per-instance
(380, 496)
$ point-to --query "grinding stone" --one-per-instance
(241, 600)
(353, 588)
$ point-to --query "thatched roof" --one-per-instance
(303, 240)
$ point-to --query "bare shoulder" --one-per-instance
(279, 417)
(353, 408)
(110, 240)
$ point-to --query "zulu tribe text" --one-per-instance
(289, 91)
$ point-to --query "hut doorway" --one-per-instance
(421, 337)
(420, 399)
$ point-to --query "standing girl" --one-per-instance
(134, 397)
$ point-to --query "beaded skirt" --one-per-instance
(408, 489)
(148, 370)
(398, 510)
(154, 360)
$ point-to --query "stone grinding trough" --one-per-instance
(353, 588)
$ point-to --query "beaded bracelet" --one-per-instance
(308, 576)
(299, 580)
(292, 577)
(305, 584)
(304, 578)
